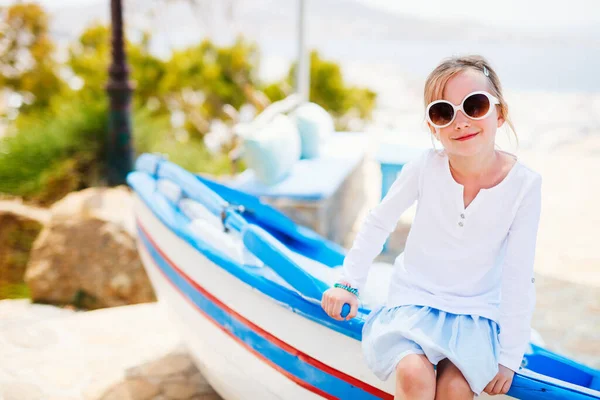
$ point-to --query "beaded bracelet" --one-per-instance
(352, 290)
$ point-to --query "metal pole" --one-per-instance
(120, 151)
(303, 70)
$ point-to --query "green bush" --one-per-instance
(52, 153)
(26, 55)
(328, 89)
(14, 291)
(17, 235)
(154, 134)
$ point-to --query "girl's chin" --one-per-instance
(471, 149)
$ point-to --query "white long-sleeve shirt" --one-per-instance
(476, 260)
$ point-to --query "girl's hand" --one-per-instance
(501, 382)
(333, 301)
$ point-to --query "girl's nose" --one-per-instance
(461, 121)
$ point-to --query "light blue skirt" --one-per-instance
(470, 342)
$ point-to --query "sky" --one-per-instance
(552, 15)
(523, 14)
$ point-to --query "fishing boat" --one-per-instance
(243, 283)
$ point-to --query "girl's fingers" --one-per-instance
(506, 387)
(333, 307)
(329, 307)
(498, 386)
(353, 310)
(490, 386)
(337, 310)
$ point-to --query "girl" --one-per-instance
(462, 293)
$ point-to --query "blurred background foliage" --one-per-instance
(54, 119)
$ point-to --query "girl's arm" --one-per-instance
(518, 289)
(380, 222)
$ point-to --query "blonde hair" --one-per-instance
(448, 68)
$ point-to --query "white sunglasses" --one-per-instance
(476, 106)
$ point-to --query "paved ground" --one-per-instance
(123, 353)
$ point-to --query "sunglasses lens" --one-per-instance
(476, 106)
(441, 113)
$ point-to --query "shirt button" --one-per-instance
(460, 224)
(532, 280)
(462, 216)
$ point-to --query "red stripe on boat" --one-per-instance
(303, 356)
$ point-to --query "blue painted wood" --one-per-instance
(389, 173)
(296, 237)
(391, 158)
(273, 254)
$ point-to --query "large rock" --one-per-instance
(86, 255)
(19, 227)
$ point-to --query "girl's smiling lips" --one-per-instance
(467, 137)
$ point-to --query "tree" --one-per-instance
(202, 80)
(27, 62)
(89, 58)
(328, 89)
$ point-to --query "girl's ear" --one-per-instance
(501, 118)
(431, 129)
(500, 121)
(433, 132)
